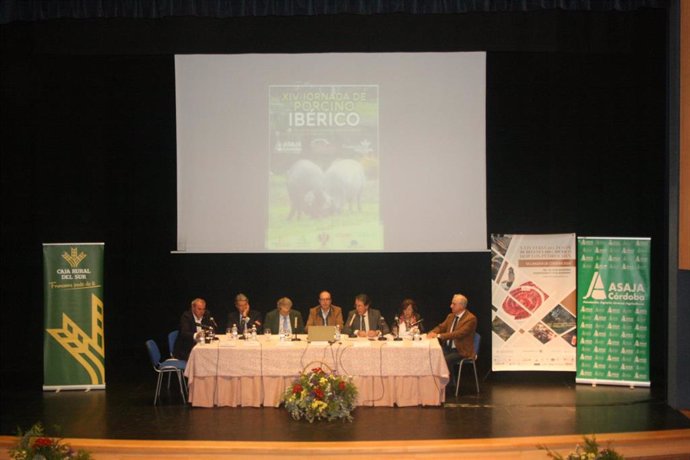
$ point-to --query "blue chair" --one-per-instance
(172, 338)
(166, 367)
(473, 361)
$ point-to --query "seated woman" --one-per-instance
(408, 318)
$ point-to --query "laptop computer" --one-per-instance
(321, 334)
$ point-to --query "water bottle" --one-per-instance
(254, 332)
(337, 333)
(234, 332)
(281, 334)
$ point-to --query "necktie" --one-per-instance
(286, 326)
(361, 322)
(449, 343)
(325, 318)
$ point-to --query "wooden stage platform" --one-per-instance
(512, 415)
(659, 445)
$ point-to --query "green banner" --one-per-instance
(613, 311)
(73, 346)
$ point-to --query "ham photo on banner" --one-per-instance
(534, 305)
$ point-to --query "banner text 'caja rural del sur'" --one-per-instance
(73, 347)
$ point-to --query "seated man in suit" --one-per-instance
(325, 314)
(364, 321)
(244, 318)
(284, 317)
(456, 333)
(192, 322)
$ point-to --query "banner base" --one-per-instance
(620, 383)
(59, 388)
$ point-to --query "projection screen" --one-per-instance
(375, 152)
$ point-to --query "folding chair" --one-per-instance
(473, 361)
(166, 367)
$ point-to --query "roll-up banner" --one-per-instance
(533, 302)
(73, 345)
(613, 311)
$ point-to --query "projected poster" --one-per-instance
(331, 152)
(323, 183)
(534, 305)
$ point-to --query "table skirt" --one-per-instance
(257, 391)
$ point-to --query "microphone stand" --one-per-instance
(245, 322)
(214, 329)
(396, 328)
(294, 336)
(381, 322)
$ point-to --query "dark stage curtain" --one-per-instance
(37, 10)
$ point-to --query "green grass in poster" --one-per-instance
(351, 229)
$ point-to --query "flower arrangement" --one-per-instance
(34, 444)
(320, 395)
(589, 451)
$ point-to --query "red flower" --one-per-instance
(43, 442)
(341, 385)
(318, 392)
(317, 370)
(296, 388)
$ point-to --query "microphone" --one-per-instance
(396, 329)
(381, 323)
(294, 330)
(421, 320)
(214, 328)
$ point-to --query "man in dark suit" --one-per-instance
(364, 321)
(244, 318)
(192, 322)
(325, 314)
(456, 333)
(284, 317)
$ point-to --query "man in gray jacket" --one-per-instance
(364, 321)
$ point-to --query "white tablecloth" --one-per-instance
(386, 373)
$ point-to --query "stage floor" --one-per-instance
(509, 405)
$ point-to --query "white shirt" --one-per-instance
(283, 321)
(324, 315)
(402, 327)
(197, 321)
(452, 342)
(355, 322)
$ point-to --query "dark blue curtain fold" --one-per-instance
(39, 10)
